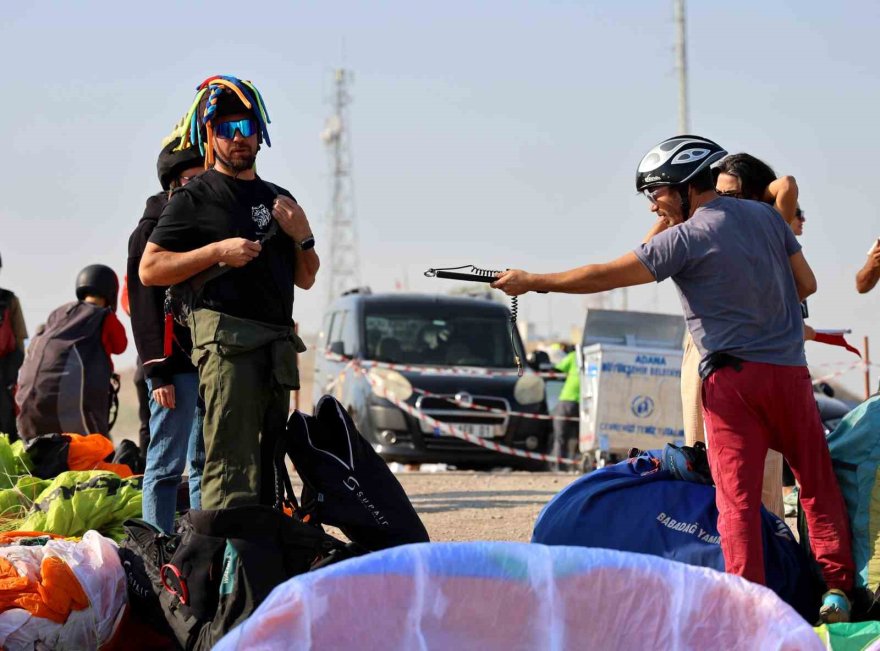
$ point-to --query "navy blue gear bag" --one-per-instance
(639, 506)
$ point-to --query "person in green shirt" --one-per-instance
(565, 431)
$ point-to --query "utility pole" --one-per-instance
(681, 67)
(343, 267)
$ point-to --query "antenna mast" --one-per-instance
(342, 244)
(681, 67)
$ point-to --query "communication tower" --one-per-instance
(343, 266)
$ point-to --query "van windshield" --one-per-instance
(431, 335)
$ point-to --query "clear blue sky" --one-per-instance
(504, 134)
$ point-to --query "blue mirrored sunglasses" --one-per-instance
(246, 127)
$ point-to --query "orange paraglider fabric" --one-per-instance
(53, 597)
(88, 453)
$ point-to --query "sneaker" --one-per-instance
(835, 607)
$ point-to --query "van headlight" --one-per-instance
(390, 381)
(528, 390)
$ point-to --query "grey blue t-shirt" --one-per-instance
(730, 263)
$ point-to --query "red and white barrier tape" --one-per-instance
(444, 370)
(831, 376)
(495, 410)
(453, 431)
(831, 365)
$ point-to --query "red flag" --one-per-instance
(835, 338)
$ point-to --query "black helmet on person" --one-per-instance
(171, 163)
(98, 280)
(675, 161)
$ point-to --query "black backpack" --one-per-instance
(345, 483)
(203, 581)
(63, 383)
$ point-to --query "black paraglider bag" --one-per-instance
(345, 483)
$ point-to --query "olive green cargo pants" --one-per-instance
(246, 372)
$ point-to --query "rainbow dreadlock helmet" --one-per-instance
(217, 97)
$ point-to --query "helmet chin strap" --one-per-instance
(685, 202)
(225, 162)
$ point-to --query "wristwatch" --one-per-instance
(306, 244)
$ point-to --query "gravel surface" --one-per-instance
(458, 506)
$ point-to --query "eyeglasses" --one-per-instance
(800, 215)
(226, 130)
(736, 194)
(652, 195)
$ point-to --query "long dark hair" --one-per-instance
(754, 174)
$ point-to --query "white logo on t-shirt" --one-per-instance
(261, 216)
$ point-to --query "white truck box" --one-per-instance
(630, 365)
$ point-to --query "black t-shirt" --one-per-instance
(214, 207)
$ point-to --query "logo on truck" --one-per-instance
(642, 406)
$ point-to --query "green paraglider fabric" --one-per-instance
(77, 501)
(849, 636)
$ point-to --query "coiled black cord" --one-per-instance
(477, 274)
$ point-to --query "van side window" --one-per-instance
(336, 329)
(323, 336)
(350, 333)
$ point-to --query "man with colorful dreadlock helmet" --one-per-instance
(239, 245)
(740, 274)
(174, 416)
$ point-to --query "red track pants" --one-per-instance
(747, 411)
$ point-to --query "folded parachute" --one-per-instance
(59, 594)
(75, 502)
(500, 596)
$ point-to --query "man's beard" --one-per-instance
(240, 162)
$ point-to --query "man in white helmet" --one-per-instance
(741, 276)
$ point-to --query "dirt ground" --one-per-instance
(458, 506)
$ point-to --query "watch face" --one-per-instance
(308, 243)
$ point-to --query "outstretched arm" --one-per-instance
(625, 271)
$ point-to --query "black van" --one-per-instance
(456, 348)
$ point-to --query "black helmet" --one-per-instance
(171, 163)
(98, 280)
(676, 160)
